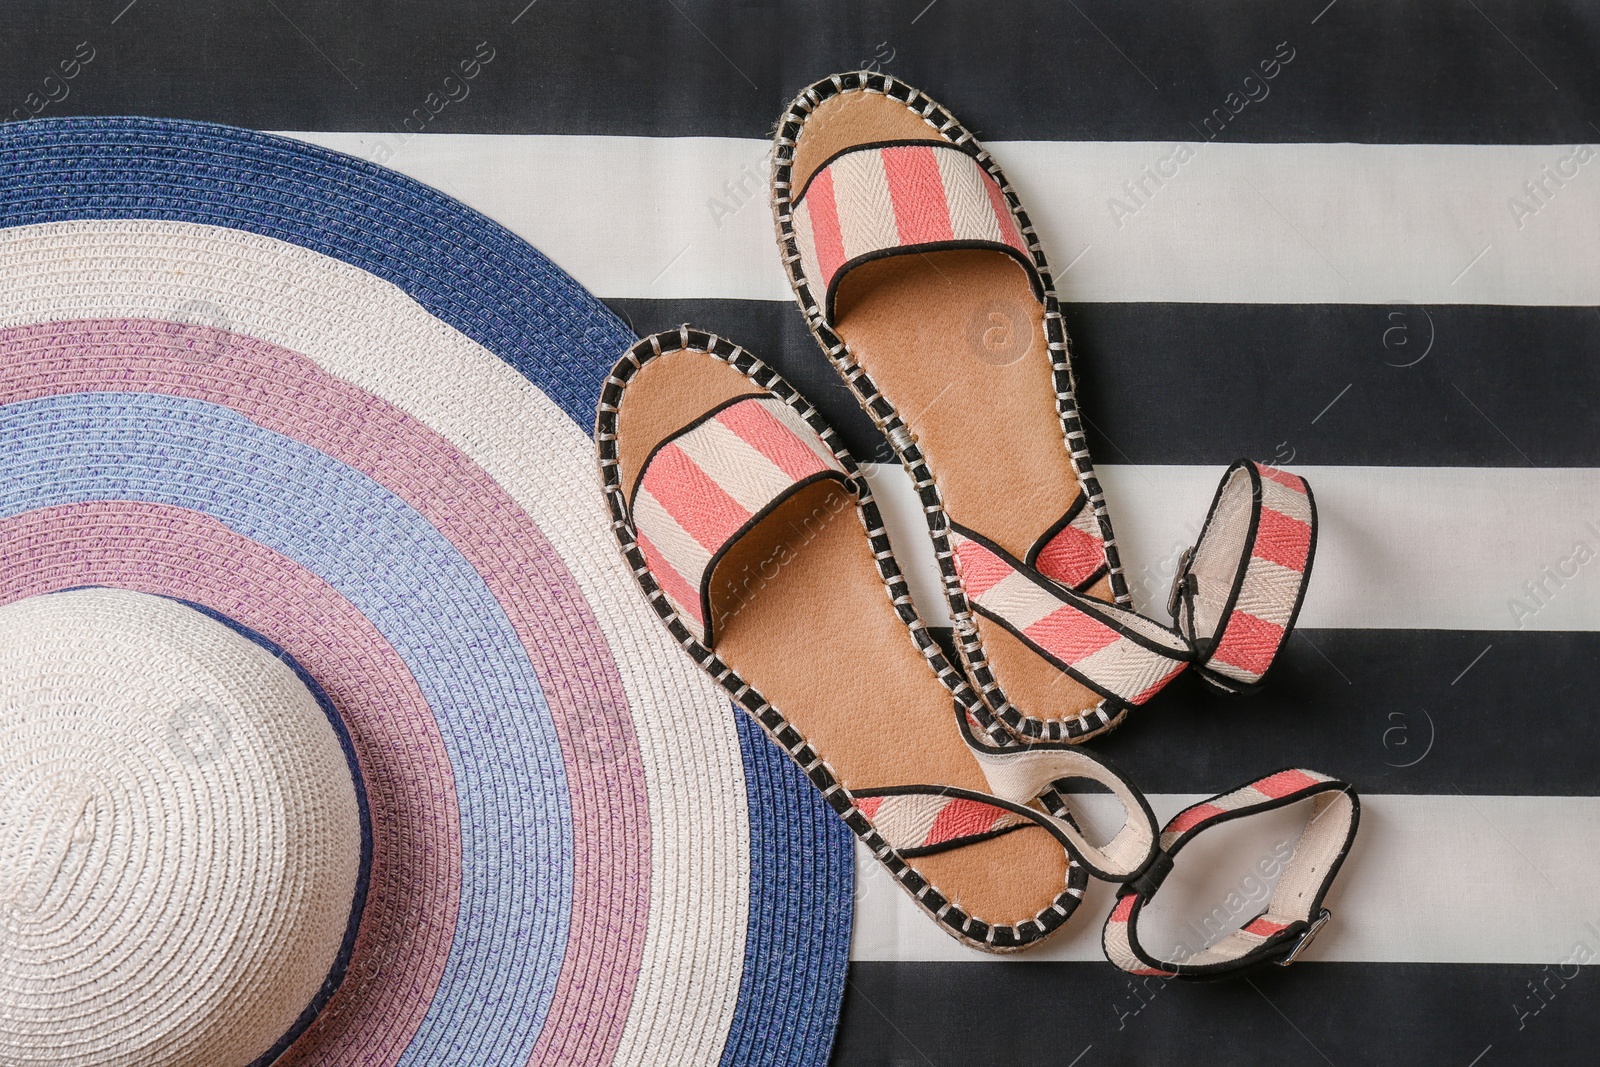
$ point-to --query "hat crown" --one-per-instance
(180, 836)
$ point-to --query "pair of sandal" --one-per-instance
(757, 541)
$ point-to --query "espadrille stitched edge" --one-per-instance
(966, 928)
(1107, 713)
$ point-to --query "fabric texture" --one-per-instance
(1293, 913)
(1116, 652)
(920, 821)
(1262, 599)
(1074, 555)
(1234, 599)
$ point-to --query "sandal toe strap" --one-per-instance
(889, 198)
(919, 820)
(713, 481)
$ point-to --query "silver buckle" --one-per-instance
(1306, 938)
(1179, 581)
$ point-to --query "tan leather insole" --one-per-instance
(804, 617)
(955, 340)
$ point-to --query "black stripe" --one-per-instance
(1379, 1014)
(1401, 72)
(1359, 704)
(1208, 383)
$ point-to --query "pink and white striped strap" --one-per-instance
(1073, 552)
(1116, 652)
(919, 820)
(1239, 590)
(916, 820)
(711, 483)
(897, 197)
(1294, 911)
(1234, 600)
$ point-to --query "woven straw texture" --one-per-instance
(339, 408)
(181, 838)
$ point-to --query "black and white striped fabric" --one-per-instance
(1361, 241)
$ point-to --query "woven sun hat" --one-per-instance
(186, 849)
(340, 415)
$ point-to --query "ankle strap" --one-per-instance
(1293, 915)
(1238, 590)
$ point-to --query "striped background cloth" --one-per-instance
(1360, 240)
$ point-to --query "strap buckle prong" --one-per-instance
(1307, 937)
(1182, 582)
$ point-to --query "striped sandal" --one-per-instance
(921, 278)
(737, 509)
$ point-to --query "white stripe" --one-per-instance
(1238, 223)
(906, 821)
(1409, 548)
(1149, 628)
(394, 348)
(1241, 798)
(1269, 590)
(802, 429)
(1432, 879)
(739, 470)
(1125, 668)
(1280, 498)
(1018, 601)
(972, 216)
(866, 212)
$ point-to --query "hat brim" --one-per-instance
(339, 408)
